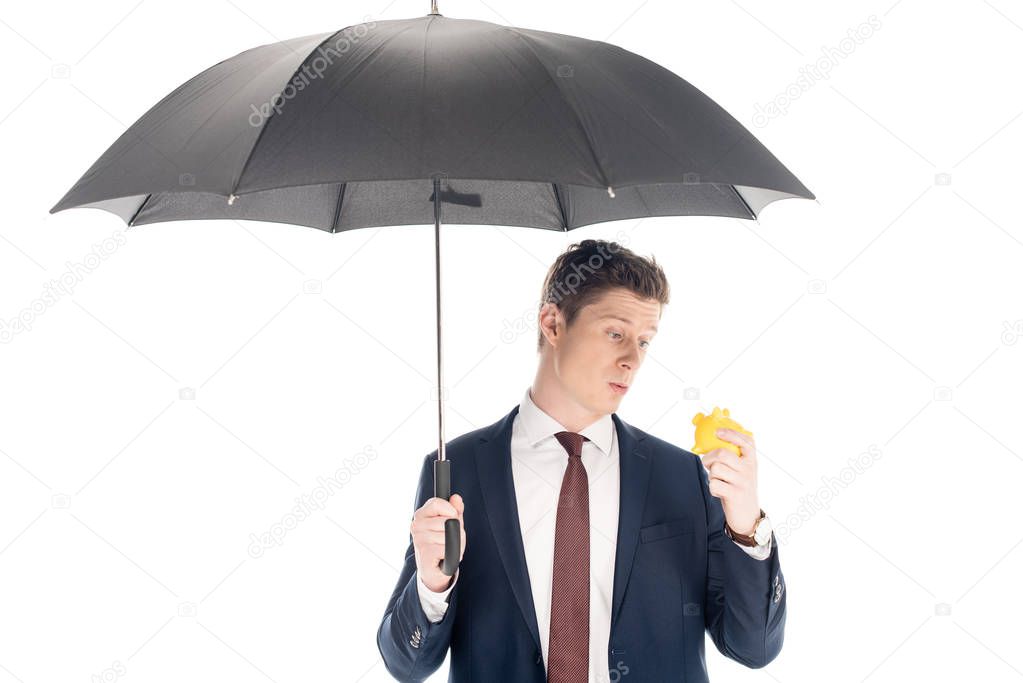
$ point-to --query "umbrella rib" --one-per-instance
(337, 209)
(561, 207)
(571, 106)
(131, 221)
(744, 203)
(259, 136)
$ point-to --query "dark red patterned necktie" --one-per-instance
(568, 656)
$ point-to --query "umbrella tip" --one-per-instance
(433, 7)
(231, 198)
(610, 192)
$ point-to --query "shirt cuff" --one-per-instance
(434, 604)
(759, 552)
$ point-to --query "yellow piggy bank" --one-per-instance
(706, 431)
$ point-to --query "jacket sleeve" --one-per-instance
(745, 600)
(435, 604)
(411, 645)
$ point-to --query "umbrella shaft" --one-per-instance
(440, 373)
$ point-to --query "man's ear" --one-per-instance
(548, 319)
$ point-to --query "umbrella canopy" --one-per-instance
(350, 129)
(383, 123)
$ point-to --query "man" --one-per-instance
(591, 550)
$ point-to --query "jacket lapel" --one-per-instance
(634, 466)
(493, 467)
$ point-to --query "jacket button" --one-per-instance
(539, 657)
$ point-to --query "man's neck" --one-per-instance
(552, 400)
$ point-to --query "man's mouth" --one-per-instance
(619, 388)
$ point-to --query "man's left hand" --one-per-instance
(734, 480)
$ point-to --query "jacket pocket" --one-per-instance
(656, 532)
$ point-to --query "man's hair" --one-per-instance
(589, 268)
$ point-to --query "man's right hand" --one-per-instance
(428, 539)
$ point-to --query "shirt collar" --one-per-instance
(538, 426)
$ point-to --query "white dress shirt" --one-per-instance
(539, 462)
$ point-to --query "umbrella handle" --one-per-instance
(452, 528)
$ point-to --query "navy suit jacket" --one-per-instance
(676, 575)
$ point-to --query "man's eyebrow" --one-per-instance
(624, 320)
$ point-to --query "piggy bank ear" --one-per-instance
(697, 418)
(725, 412)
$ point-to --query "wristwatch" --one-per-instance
(761, 532)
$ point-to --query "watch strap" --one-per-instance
(742, 539)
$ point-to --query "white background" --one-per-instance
(884, 320)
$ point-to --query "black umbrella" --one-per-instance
(386, 122)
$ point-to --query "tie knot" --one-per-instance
(573, 442)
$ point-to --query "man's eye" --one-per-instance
(645, 342)
(613, 332)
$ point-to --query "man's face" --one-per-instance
(605, 344)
